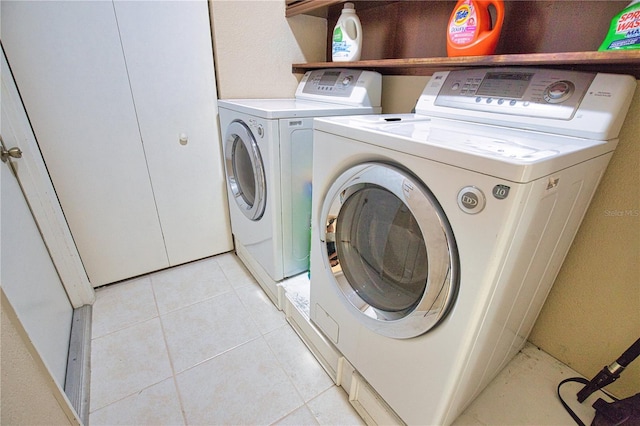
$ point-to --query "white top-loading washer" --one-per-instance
(435, 240)
(268, 155)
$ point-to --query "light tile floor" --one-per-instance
(202, 344)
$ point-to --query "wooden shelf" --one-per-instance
(309, 7)
(413, 30)
(621, 62)
(323, 8)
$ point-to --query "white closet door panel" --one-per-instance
(69, 68)
(168, 50)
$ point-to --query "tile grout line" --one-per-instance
(199, 363)
(129, 325)
(282, 367)
(126, 327)
(166, 347)
(129, 395)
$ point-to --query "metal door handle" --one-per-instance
(14, 152)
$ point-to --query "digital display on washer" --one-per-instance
(329, 78)
(504, 84)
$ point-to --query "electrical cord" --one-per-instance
(583, 381)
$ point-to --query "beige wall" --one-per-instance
(400, 93)
(593, 311)
(255, 46)
(29, 396)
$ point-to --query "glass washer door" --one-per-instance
(245, 170)
(390, 249)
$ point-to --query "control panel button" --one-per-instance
(471, 200)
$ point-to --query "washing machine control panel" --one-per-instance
(533, 93)
(341, 85)
(571, 103)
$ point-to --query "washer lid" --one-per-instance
(506, 153)
(390, 250)
(292, 108)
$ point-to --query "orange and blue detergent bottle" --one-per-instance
(470, 32)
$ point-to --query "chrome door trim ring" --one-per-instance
(239, 131)
(442, 255)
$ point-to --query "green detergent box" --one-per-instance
(624, 32)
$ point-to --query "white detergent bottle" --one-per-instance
(347, 36)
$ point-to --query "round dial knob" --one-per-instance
(558, 92)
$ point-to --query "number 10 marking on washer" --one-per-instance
(501, 191)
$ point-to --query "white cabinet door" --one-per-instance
(122, 99)
(168, 51)
(68, 65)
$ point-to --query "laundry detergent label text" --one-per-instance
(464, 24)
(629, 22)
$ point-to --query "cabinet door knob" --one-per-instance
(183, 139)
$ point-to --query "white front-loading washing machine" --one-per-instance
(435, 241)
(267, 147)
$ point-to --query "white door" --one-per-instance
(170, 66)
(122, 99)
(29, 278)
(67, 61)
